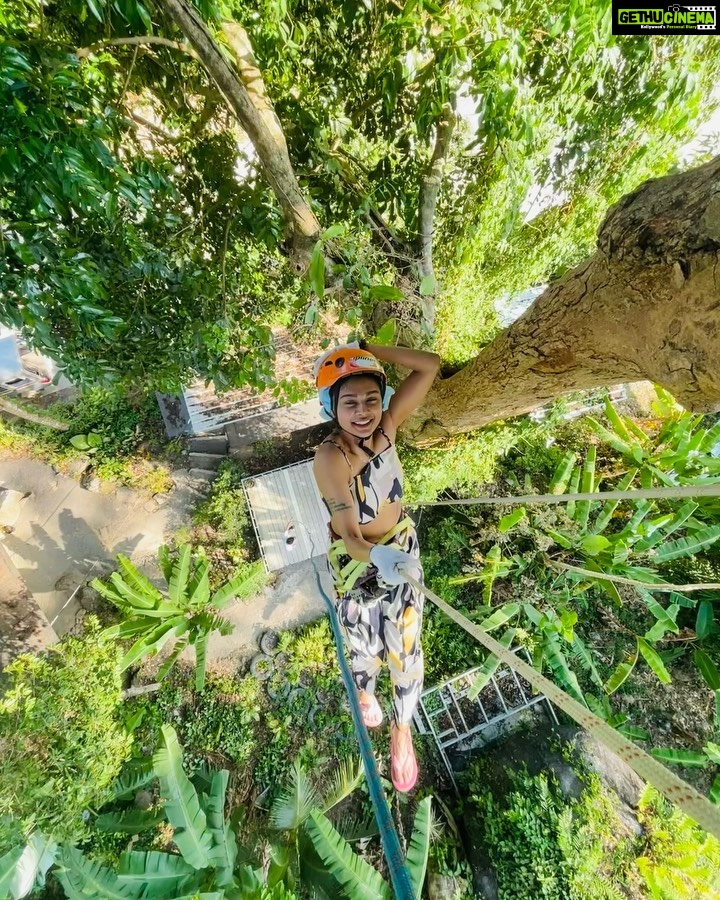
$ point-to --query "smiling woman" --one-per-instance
(374, 545)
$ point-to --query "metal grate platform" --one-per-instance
(290, 520)
(453, 718)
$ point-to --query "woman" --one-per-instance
(374, 544)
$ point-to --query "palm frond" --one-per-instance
(346, 779)
(419, 849)
(358, 879)
(181, 803)
(81, 878)
(357, 828)
(294, 804)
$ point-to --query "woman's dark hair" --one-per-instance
(335, 389)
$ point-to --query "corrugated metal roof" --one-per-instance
(290, 520)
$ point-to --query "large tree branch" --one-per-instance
(429, 190)
(83, 52)
(247, 98)
(646, 305)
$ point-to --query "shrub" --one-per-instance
(62, 740)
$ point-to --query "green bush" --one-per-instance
(124, 423)
(62, 740)
(226, 510)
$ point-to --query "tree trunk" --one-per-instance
(646, 305)
(246, 97)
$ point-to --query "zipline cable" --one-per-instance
(691, 490)
(661, 778)
(399, 873)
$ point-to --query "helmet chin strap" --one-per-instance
(360, 440)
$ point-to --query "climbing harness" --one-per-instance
(347, 575)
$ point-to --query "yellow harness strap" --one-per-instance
(346, 576)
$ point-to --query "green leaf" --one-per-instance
(704, 621)
(707, 669)
(428, 286)
(137, 581)
(665, 618)
(635, 734)
(201, 643)
(129, 821)
(679, 757)
(714, 795)
(490, 666)
(713, 751)
(251, 578)
(608, 437)
(225, 849)
(385, 292)
(500, 617)
(294, 804)
(347, 777)
(182, 806)
(156, 874)
(592, 544)
(621, 673)
(8, 863)
(82, 878)
(132, 777)
(386, 334)
(311, 315)
(357, 878)
(419, 849)
(582, 512)
(688, 546)
(180, 575)
(652, 658)
(154, 640)
(80, 442)
(610, 506)
(31, 867)
(616, 421)
(317, 270)
(511, 520)
(562, 474)
(332, 232)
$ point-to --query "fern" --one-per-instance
(358, 879)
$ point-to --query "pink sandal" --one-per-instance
(371, 712)
(409, 783)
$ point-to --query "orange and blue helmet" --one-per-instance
(335, 366)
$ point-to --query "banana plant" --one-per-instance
(186, 613)
(321, 856)
(204, 868)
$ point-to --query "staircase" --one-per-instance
(205, 455)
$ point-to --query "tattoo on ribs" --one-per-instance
(337, 506)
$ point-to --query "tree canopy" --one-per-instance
(382, 166)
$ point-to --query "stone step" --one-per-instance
(206, 460)
(203, 474)
(208, 443)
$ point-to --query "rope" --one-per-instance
(670, 785)
(691, 490)
(399, 873)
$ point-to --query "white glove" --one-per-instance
(393, 565)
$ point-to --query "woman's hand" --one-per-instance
(414, 388)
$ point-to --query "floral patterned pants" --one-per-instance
(382, 624)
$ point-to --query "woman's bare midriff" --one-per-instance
(383, 522)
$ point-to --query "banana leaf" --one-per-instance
(166, 562)
(156, 874)
(582, 512)
(707, 669)
(129, 821)
(560, 667)
(137, 580)
(617, 421)
(621, 673)
(680, 757)
(251, 578)
(132, 777)
(137, 599)
(676, 522)
(562, 473)
(500, 617)
(155, 640)
(225, 849)
(182, 806)
(490, 666)
(652, 658)
(419, 849)
(177, 585)
(573, 488)
(704, 621)
(358, 878)
(688, 546)
(173, 658)
(581, 653)
(665, 617)
(82, 877)
(198, 590)
(617, 443)
(610, 506)
(511, 520)
(8, 862)
(29, 869)
(200, 642)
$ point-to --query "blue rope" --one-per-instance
(399, 873)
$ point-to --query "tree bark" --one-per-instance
(246, 97)
(646, 305)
